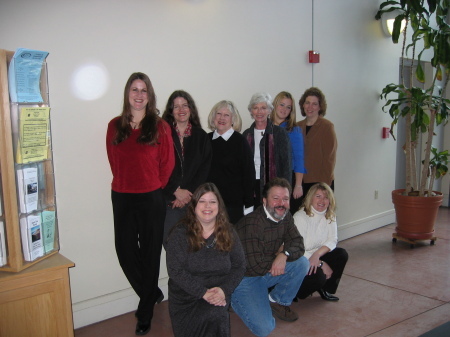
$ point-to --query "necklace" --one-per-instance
(212, 244)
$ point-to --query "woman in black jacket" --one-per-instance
(192, 155)
(232, 169)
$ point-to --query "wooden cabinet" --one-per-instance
(36, 301)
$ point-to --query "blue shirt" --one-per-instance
(297, 145)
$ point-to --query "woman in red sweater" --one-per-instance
(140, 153)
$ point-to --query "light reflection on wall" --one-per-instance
(90, 81)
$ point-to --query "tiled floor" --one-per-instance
(387, 290)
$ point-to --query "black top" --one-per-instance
(233, 170)
(192, 170)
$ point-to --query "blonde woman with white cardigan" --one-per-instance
(316, 222)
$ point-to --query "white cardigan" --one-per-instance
(317, 231)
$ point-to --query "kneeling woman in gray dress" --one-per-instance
(205, 262)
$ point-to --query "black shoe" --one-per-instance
(142, 328)
(160, 298)
(326, 296)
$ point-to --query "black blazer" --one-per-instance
(192, 170)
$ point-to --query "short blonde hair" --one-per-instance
(307, 203)
(236, 121)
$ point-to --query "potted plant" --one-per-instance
(421, 108)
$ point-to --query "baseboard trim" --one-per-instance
(365, 225)
(446, 201)
(107, 306)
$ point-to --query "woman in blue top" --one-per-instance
(283, 114)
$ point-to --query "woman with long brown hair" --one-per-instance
(192, 155)
(140, 153)
(205, 262)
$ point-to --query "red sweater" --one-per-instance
(140, 168)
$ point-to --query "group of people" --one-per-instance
(226, 206)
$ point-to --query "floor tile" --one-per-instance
(364, 308)
(388, 290)
(374, 257)
(419, 324)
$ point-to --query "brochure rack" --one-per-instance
(27, 193)
(34, 297)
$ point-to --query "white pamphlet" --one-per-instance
(31, 232)
(27, 186)
(3, 257)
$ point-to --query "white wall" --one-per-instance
(214, 49)
(446, 179)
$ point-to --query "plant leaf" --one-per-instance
(420, 74)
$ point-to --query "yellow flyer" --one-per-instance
(33, 134)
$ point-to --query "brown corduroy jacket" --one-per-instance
(320, 151)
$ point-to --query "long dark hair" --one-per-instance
(223, 230)
(149, 124)
(168, 112)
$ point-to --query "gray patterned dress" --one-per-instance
(191, 274)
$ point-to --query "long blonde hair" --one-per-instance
(291, 119)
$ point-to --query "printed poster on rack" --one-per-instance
(33, 134)
(24, 75)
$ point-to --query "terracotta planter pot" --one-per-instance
(416, 215)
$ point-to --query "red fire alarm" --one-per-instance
(314, 56)
(385, 133)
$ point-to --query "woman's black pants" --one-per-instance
(336, 259)
(138, 231)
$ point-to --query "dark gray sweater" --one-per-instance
(282, 148)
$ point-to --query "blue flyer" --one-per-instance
(24, 75)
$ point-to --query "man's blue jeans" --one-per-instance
(250, 299)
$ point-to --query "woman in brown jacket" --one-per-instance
(320, 140)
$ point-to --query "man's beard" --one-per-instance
(274, 214)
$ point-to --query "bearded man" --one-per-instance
(275, 263)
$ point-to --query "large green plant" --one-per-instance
(422, 108)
